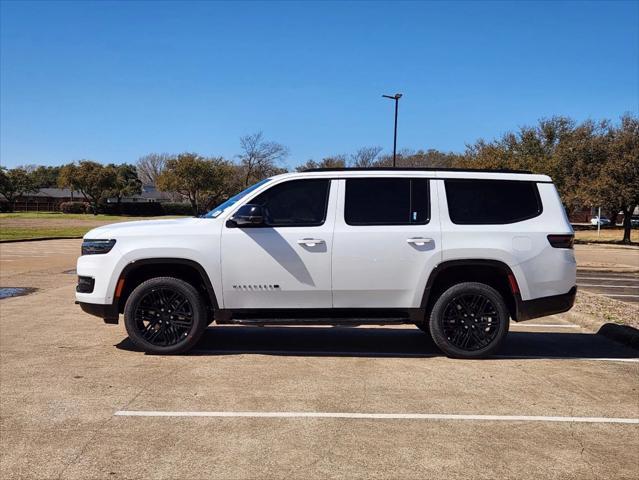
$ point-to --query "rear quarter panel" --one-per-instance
(540, 270)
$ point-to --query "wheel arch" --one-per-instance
(188, 270)
(494, 273)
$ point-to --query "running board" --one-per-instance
(342, 322)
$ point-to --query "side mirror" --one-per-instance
(248, 216)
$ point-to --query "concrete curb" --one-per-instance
(610, 269)
(619, 246)
(39, 239)
(624, 334)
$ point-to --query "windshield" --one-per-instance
(217, 211)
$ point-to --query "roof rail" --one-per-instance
(416, 169)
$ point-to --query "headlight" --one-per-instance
(96, 247)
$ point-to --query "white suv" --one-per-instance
(457, 253)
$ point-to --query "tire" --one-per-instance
(165, 316)
(454, 325)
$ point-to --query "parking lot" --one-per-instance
(618, 285)
(77, 401)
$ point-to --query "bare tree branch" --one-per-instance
(150, 167)
(259, 157)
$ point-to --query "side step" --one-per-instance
(342, 322)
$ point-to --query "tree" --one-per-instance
(365, 157)
(195, 178)
(619, 177)
(149, 167)
(259, 157)
(336, 161)
(127, 182)
(44, 176)
(15, 183)
(90, 178)
(408, 158)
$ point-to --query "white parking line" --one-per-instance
(543, 357)
(619, 295)
(400, 355)
(606, 286)
(632, 279)
(549, 325)
(379, 416)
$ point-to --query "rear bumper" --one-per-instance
(109, 313)
(541, 307)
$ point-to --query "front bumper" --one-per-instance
(109, 313)
(544, 306)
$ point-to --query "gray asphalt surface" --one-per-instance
(618, 285)
(556, 402)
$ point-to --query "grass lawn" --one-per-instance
(31, 225)
(606, 235)
(71, 216)
(30, 233)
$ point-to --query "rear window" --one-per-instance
(491, 202)
(386, 201)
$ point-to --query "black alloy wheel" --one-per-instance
(469, 320)
(165, 315)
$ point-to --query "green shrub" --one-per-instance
(74, 207)
(145, 209)
(172, 208)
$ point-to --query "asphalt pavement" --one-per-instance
(79, 401)
(618, 285)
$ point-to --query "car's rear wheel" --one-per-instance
(469, 320)
(165, 316)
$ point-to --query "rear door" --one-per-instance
(387, 240)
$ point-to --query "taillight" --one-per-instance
(561, 241)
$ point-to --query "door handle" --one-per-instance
(310, 242)
(419, 240)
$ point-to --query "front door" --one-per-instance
(387, 240)
(285, 263)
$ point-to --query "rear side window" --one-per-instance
(387, 201)
(491, 202)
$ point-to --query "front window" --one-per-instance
(296, 203)
(217, 211)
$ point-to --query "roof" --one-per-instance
(447, 173)
(154, 195)
(55, 193)
(414, 169)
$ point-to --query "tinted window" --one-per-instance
(294, 204)
(386, 201)
(483, 202)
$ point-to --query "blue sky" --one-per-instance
(114, 81)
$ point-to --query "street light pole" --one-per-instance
(395, 97)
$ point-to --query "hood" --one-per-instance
(144, 227)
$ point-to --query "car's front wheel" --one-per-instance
(469, 320)
(165, 316)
